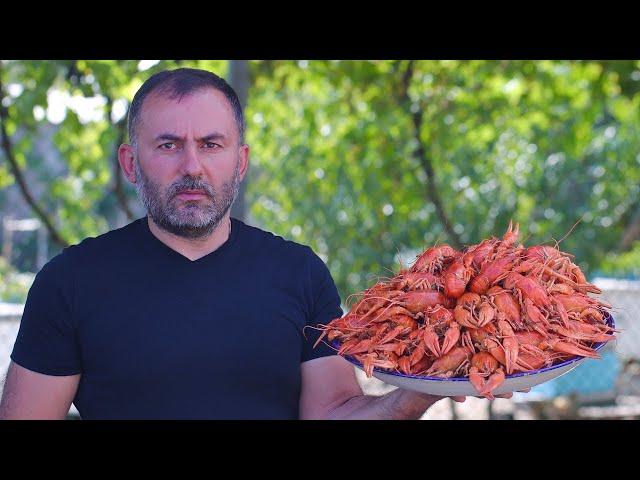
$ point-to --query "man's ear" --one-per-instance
(126, 158)
(244, 160)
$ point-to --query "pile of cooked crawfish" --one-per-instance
(493, 309)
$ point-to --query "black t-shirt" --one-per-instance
(158, 336)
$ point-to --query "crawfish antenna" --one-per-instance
(571, 230)
(438, 239)
(527, 238)
(399, 258)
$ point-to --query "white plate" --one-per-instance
(463, 387)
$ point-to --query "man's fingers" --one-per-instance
(510, 394)
(505, 395)
(460, 399)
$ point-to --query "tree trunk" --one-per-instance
(420, 153)
(239, 81)
(631, 233)
(18, 176)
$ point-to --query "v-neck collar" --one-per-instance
(166, 249)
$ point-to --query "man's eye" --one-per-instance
(168, 146)
(211, 145)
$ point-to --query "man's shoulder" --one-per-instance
(102, 245)
(273, 243)
(86, 255)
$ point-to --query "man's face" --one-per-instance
(189, 161)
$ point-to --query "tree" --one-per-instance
(365, 159)
(342, 148)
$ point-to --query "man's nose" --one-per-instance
(191, 162)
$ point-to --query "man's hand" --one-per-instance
(461, 399)
(330, 390)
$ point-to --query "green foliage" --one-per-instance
(545, 143)
(14, 286)
(626, 264)
(333, 164)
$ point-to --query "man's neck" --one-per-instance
(193, 248)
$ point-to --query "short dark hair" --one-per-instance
(177, 83)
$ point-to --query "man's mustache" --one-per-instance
(189, 184)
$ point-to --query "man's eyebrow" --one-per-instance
(168, 136)
(213, 136)
(173, 138)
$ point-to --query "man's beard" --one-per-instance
(190, 219)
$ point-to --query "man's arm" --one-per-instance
(31, 395)
(330, 390)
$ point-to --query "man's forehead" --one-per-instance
(205, 106)
(204, 97)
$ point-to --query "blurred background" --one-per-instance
(367, 162)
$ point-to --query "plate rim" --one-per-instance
(597, 346)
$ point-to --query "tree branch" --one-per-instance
(631, 232)
(421, 155)
(117, 173)
(19, 177)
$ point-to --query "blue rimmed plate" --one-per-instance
(463, 387)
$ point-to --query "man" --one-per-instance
(186, 313)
